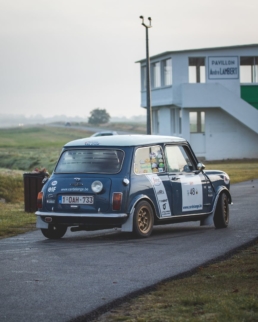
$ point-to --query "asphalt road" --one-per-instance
(44, 280)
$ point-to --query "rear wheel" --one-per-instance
(54, 231)
(143, 219)
(221, 216)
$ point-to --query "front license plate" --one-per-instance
(77, 200)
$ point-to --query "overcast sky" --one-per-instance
(71, 56)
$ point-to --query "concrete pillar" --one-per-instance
(164, 119)
(185, 124)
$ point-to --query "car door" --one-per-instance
(188, 187)
(149, 164)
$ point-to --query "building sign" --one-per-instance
(223, 67)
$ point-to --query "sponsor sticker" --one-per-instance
(160, 194)
(91, 143)
(51, 189)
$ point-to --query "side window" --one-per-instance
(177, 158)
(196, 70)
(149, 160)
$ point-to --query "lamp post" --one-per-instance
(148, 92)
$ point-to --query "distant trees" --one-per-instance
(98, 116)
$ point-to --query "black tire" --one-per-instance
(143, 219)
(54, 231)
(221, 216)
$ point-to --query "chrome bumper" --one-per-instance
(74, 214)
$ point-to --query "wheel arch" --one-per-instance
(221, 214)
(220, 190)
(128, 225)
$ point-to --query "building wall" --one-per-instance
(164, 116)
(227, 138)
(216, 95)
(224, 137)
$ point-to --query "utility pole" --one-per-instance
(148, 89)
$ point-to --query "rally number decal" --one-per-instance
(192, 193)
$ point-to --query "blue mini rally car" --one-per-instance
(133, 182)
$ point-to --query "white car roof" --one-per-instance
(124, 140)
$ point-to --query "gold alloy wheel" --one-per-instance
(144, 220)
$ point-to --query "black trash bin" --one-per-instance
(32, 186)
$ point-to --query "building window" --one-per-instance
(167, 72)
(196, 70)
(249, 69)
(144, 78)
(156, 79)
(197, 122)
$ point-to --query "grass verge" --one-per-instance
(14, 221)
(238, 170)
(224, 291)
(33, 137)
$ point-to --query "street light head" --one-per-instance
(149, 18)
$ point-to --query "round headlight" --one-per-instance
(97, 186)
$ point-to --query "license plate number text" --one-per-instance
(78, 200)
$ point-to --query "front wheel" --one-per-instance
(54, 231)
(221, 216)
(143, 219)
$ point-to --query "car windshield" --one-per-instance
(90, 161)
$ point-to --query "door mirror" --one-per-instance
(200, 166)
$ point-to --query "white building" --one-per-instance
(208, 96)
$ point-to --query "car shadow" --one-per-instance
(116, 235)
